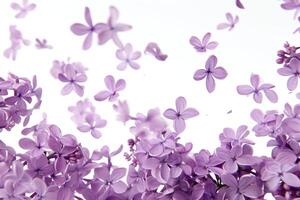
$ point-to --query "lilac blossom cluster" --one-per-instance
(16, 95)
(57, 166)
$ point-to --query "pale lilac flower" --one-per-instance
(229, 136)
(111, 28)
(35, 147)
(239, 4)
(16, 40)
(180, 114)
(93, 123)
(72, 78)
(80, 110)
(230, 24)
(128, 57)
(293, 70)
(122, 109)
(256, 89)
(113, 88)
(210, 72)
(22, 9)
(89, 29)
(205, 44)
(153, 49)
(42, 44)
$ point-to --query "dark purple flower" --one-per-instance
(239, 4)
(113, 89)
(153, 49)
(180, 114)
(42, 44)
(128, 57)
(89, 29)
(256, 89)
(210, 72)
(230, 24)
(205, 44)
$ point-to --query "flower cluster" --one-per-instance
(16, 93)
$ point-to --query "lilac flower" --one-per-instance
(180, 114)
(113, 89)
(229, 136)
(246, 187)
(42, 44)
(235, 157)
(153, 49)
(292, 70)
(16, 40)
(111, 181)
(35, 147)
(128, 57)
(81, 29)
(202, 46)
(281, 170)
(39, 166)
(93, 122)
(111, 28)
(72, 78)
(231, 22)
(239, 4)
(286, 55)
(210, 72)
(81, 110)
(23, 9)
(22, 96)
(256, 89)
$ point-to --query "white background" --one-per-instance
(249, 48)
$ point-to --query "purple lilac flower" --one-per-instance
(113, 88)
(256, 89)
(92, 123)
(245, 187)
(153, 49)
(89, 29)
(230, 24)
(287, 54)
(42, 44)
(128, 57)
(281, 169)
(16, 40)
(123, 111)
(293, 70)
(205, 44)
(72, 77)
(210, 72)
(35, 147)
(23, 9)
(229, 136)
(180, 114)
(111, 29)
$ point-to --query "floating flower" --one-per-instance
(180, 114)
(113, 88)
(89, 29)
(128, 57)
(23, 9)
(210, 72)
(230, 24)
(256, 89)
(153, 49)
(205, 44)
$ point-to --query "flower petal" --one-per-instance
(79, 29)
(291, 179)
(200, 74)
(211, 63)
(292, 83)
(219, 73)
(180, 104)
(210, 83)
(189, 113)
(179, 125)
(170, 114)
(271, 95)
(244, 89)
